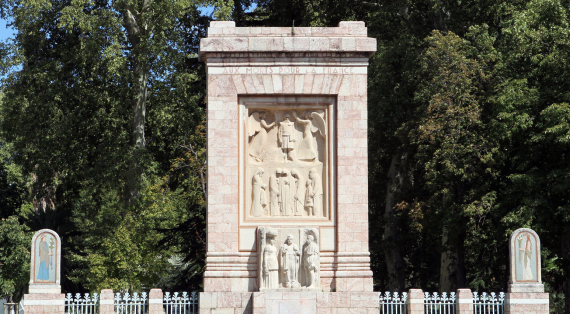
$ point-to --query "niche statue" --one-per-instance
(290, 255)
(311, 262)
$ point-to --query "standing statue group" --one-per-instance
(286, 197)
(304, 149)
(289, 267)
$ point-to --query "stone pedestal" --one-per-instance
(44, 303)
(287, 149)
(527, 303)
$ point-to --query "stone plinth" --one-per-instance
(287, 149)
(527, 303)
(44, 303)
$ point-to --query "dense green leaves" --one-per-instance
(14, 258)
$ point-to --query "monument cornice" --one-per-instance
(348, 40)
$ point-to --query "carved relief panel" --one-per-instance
(289, 258)
(286, 160)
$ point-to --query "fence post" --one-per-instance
(106, 302)
(464, 301)
(155, 301)
(415, 301)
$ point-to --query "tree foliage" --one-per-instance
(14, 258)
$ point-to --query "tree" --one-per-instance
(106, 93)
(14, 258)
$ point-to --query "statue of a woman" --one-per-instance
(258, 202)
(270, 265)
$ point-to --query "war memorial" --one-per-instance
(287, 216)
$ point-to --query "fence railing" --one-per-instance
(488, 303)
(393, 303)
(131, 304)
(77, 304)
(180, 304)
(439, 304)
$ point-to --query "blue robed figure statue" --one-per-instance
(44, 253)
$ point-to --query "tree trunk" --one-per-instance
(135, 30)
(392, 254)
(139, 106)
(446, 281)
(453, 274)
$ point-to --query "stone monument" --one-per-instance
(44, 292)
(526, 291)
(287, 169)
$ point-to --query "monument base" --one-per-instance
(281, 302)
(527, 303)
(44, 303)
(526, 287)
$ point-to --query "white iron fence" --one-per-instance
(393, 303)
(439, 304)
(136, 303)
(131, 304)
(87, 304)
(180, 304)
(488, 303)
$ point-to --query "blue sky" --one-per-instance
(5, 31)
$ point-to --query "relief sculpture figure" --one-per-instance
(527, 254)
(287, 137)
(270, 265)
(314, 194)
(285, 191)
(44, 253)
(257, 130)
(298, 196)
(259, 203)
(274, 194)
(290, 262)
(310, 262)
(307, 150)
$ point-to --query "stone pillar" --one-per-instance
(287, 151)
(155, 299)
(45, 295)
(464, 301)
(106, 302)
(416, 301)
